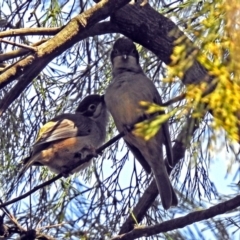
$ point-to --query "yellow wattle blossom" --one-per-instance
(216, 46)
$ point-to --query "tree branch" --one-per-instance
(98, 29)
(18, 53)
(73, 32)
(69, 35)
(29, 48)
(30, 31)
(181, 221)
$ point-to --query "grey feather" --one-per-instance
(68, 138)
(129, 86)
(138, 155)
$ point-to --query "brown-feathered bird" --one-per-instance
(129, 86)
(68, 138)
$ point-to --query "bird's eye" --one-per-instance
(115, 51)
(92, 107)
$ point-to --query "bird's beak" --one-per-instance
(125, 56)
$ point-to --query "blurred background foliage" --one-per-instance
(93, 204)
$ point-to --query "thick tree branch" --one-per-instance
(72, 33)
(64, 39)
(97, 29)
(181, 221)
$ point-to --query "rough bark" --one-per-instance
(30, 66)
(181, 221)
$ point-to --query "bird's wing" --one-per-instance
(64, 126)
(26, 162)
(59, 128)
(165, 128)
(152, 95)
(138, 155)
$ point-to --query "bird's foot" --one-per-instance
(65, 171)
(86, 151)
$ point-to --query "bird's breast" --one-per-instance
(122, 99)
(66, 152)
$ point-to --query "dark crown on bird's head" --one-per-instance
(124, 46)
(89, 104)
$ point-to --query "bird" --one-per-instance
(129, 86)
(70, 137)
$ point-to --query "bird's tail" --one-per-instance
(27, 162)
(166, 191)
(168, 144)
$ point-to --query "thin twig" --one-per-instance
(17, 53)
(31, 31)
(52, 226)
(10, 216)
(19, 45)
(174, 100)
(31, 191)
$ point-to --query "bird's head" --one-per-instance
(125, 55)
(92, 106)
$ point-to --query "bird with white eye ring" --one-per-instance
(68, 138)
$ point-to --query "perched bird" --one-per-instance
(129, 86)
(68, 138)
